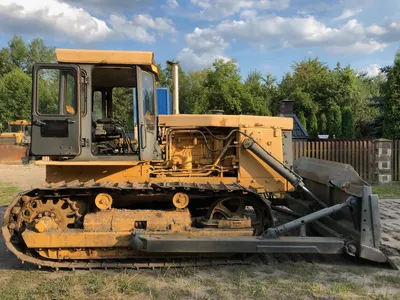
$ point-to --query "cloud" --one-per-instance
(387, 33)
(348, 13)
(273, 32)
(372, 70)
(205, 40)
(50, 17)
(142, 27)
(172, 3)
(204, 47)
(220, 9)
(191, 60)
(376, 30)
(110, 6)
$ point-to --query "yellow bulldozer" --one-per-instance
(171, 190)
(14, 142)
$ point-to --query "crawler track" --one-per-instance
(76, 188)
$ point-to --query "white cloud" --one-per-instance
(191, 60)
(272, 32)
(204, 47)
(248, 14)
(348, 13)
(205, 40)
(376, 30)
(110, 6)
(369, 46)
(386, 33)
(372, 70)
(219, 9)
(161, 25)
(172, 3)
(51, 17)
(141, 27)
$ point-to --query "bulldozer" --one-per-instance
(14, 142)
(171, 190)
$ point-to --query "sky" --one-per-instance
(264, 35)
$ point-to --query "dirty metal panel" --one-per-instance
(12, 154)
(131, 220)
(243, 244)
(322, 171)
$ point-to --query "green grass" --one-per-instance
(390, 191)
(303, 281)
(7, 192)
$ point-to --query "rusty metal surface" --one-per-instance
(12, 154)
(132, 220)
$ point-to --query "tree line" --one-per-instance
(340, 101)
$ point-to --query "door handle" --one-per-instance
(39, 123)
(69, 121)
(143, 134)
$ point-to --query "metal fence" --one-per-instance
(357, 153)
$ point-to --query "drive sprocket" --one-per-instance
(63, 212)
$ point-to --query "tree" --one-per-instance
(322, 124)
(226, 90)
(6, 64)
(15, 96)
(391, 101)
(313, 127)
(348, 129)
(195, 93)
(19, 52)
(38, 52)
(123, 105)
(302, 119)
(334, 122)
(259, 93)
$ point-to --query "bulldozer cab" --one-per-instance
(84, 106)
(19, 126)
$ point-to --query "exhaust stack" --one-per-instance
(175, 87)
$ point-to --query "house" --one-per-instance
(286, 110)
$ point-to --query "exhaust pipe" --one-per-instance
(175, 87)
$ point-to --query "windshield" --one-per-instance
(15, 128)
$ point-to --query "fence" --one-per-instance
(396, 160)
(374, 160)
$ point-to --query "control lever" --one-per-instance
(39, 123)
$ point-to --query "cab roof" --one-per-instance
(108, 57)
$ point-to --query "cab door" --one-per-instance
(147, 112)
(55, 110)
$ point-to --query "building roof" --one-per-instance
(107, 57)
(299, 132)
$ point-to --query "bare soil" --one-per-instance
(333, 277)
(23, 176)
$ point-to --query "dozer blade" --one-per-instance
(333, 183)
(12, 154)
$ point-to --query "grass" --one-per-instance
(390, 191)
(301, 281)
(7, 192)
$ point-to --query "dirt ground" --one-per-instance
(333, 277)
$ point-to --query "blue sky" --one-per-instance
(264, 35)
